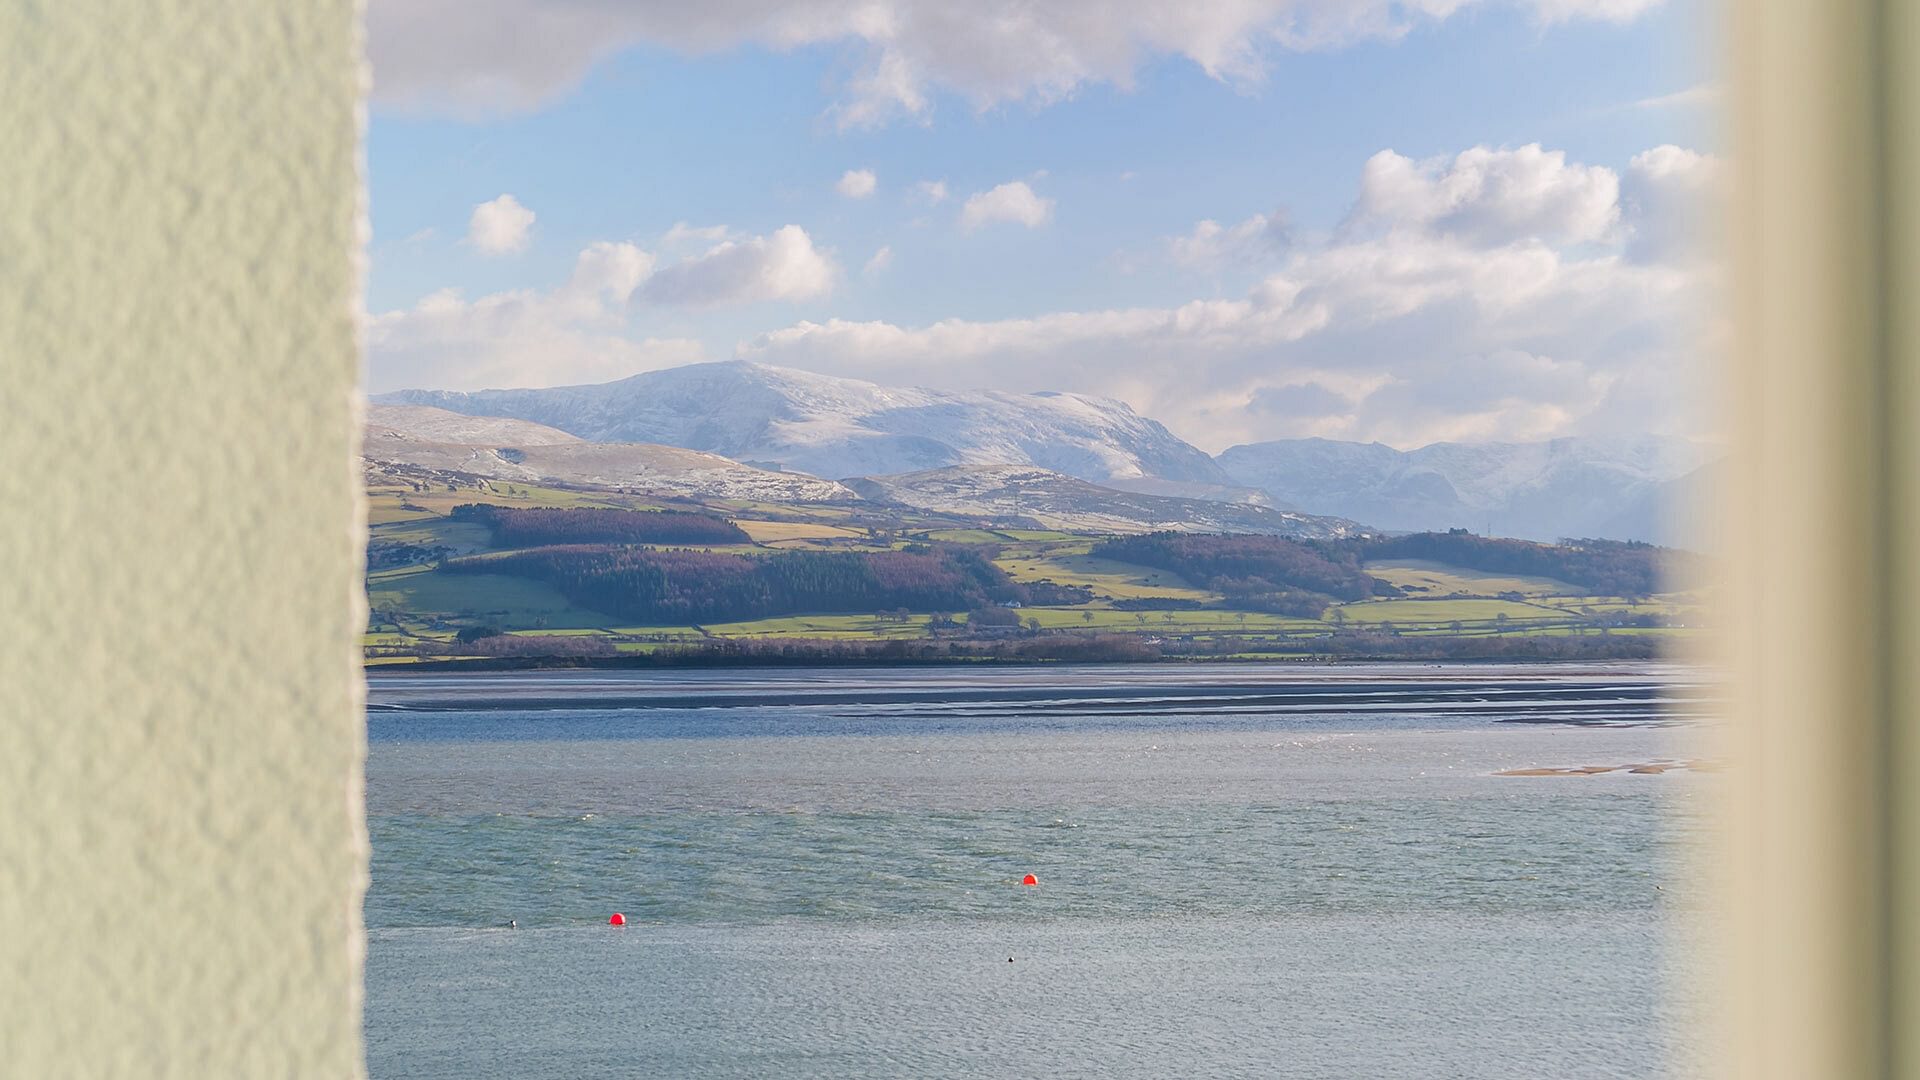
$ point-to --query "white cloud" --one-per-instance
(882, 259)
(1676, 164)
(1515, 312)
(519, 54)
(580, 330)
(574, 333)
(683, 233)
(608, 271)
(933, 191)
(1614, 11)
(1212, 244)
(1426, 316)
(1669, 194)
(1491, 195)
(1013, 201)
(1705, 94)
(500, 227)
(1310, 399)
(783, 265)
(857, 183)
(1480, 296)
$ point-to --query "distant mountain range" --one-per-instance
(776, 434)
(836, 427)
(1039, 498)
(1621, 489)
(404, 439)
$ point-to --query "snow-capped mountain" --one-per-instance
(409, 440)
(1024, 496)
(428, 425)
(1572, 487)
(796, 422)
(837, 427)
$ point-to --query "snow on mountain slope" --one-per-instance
(418, 437)
(439, 425)
(1546, 490)
(838, 427)
(1021, 495)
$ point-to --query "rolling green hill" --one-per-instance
(430, 600)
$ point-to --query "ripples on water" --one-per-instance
(1261, 872)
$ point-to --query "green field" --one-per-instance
(965, 536)
(825, 626)
(766, 532)
(388, 503)
(459, 537)
(1424, 578)
(1166, 622)
(1442, 612)
(1121, 581)
(676, 633)
(1039, 534)
(509, 602)
(420, 607)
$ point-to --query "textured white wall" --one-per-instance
(182, 854)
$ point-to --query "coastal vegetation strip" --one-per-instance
(514, 574)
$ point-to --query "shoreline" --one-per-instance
(1513, 693)
(696, 659)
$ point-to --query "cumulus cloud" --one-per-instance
(1295, 400)
(683, 233)
(1504, 307)
(523, 337)
(1432, 313)
(1491, 195)
(520, 54)
(882, 259)
(857, 183)
(933, 191)
(579, 331)
(1013, 201)
(500, 227)
(609, 272)
(1212, 244)
(1486, 295)
(783, 265)
(1669, 194)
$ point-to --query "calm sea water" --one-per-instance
(1249, 871)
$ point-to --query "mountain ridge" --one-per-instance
(837, 427)
(518, 451)
(1615, 487)
(785, 421)
(1025, 496)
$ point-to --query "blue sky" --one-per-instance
(742, 132)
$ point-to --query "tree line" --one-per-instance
(534, 652)
(1602, 567)
(672, 587)
(1256, 573)
(1301, 577)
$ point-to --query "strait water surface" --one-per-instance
(1244, 871)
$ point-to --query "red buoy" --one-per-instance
(617, 920)
(1029, 880)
